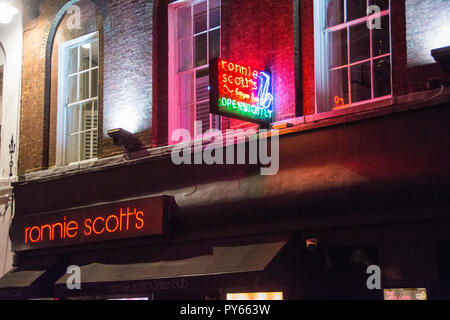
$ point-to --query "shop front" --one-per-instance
(128, 250)
(342, 201)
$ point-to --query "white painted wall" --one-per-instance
(11, 39)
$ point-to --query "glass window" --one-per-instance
(353, 65)
(197, 42)
(81, 101)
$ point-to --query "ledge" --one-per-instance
(415, 101)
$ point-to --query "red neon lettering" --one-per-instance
(50, 235)
(139, 218)
(237, 83)
(88, 228)
(338, 100)
(93, 225)
(134, 219)
(107, 223)
(26, 234)
(31, 233)
(72, 226)
(60, 230)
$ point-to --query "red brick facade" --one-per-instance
(134, 42)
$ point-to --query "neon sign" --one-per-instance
(240, 92)
(129, 219)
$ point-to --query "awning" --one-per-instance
(218, 259)
(33, 279)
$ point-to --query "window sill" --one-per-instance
(390, 105)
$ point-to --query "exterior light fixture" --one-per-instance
(442, 56)
(7, 12)
(122, 137)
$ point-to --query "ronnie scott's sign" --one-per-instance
(112, 221)
(241, 92)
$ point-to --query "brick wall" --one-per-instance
(127, 85)
(260, 33)
(427, 28)
(307, 54)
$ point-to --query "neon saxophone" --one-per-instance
(265, 98)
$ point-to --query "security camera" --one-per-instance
(122, 137)
(311, 243)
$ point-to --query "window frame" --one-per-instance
(321, 56)
(61, 127)
(174, 120)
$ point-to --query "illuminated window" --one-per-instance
(353, 59)
(78, 98)
(194, 31)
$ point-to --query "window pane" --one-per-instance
(202, 85)
(361, 83)
(85, 50)
(200, 17)
(185, 54)
(84, 86)
(356, 9)
(94, 83)
(214, 44)
(88, 144)
(380, 37)
(334, 12)
(185, 117)
(185, 89)
(72, 148)
(200, 50)
(94, 53)
(73, 119)
(72, 89)
(72, 58)
(338, 88)
(202, 95)
(383, 4)
(89, 116)
(214, 15)
(184, 22)
(338, 48)
(203, 115)
(95, 122)
(359, 42)
(382, 77)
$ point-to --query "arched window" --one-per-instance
(76, 85)
(194, 39)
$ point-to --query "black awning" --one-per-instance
(34, 278)
(182, 264)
